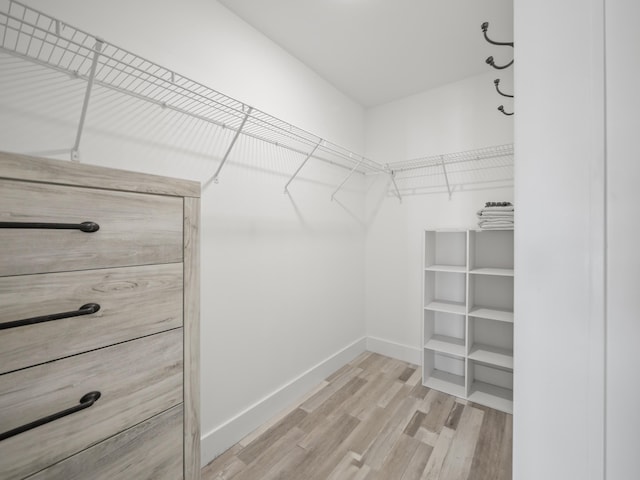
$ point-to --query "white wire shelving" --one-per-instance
(40, 38)
(34, 36)
(487, 165)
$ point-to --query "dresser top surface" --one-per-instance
(23, 167)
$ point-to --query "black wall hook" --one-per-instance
(489, 61)
(501, 108)
(496, 82)
(485, 27)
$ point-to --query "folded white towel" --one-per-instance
(496, 216)
(495, 222)
(483, 214)
(509, 208)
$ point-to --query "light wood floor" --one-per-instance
(372, 419)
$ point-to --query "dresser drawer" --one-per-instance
(144, 452)
(136, 379)
(133, 302)
(134, 228)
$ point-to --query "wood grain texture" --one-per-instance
(399, 457)
(260, 444)
(23, 167)
(417, 435)
(438, 455)
(418, 462)
(460, 456)
(137, 379)
(280, 450)
(490, 459)
(380, 449)
(439, 407)
(144, 452)
(191, 338)
(227, 465)
(134, 302)
(135, 229)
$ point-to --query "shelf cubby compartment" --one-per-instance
(491, 252)
(443, 372)
(445, 251)
(445, 292)
(490, 386)
(444, 332)
(491, 297)
(491, 342)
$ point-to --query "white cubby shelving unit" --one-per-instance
(467, 324)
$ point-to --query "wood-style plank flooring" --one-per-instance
(372, 419)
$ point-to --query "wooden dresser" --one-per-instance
(99, 323)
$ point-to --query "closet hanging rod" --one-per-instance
(42, 39)
(496, 82)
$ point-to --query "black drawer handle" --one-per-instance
(85, 402)
(87, 309)
(88, 227)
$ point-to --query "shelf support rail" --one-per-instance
(346, 179)
(392, 174)
(446, 177)
(214, 178)
(97, 49)
(286, 187)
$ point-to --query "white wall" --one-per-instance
(559, 249)
(623, 255)
(457, 117)
(282, 290)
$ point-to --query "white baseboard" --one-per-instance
(394, 350)
(231, 432)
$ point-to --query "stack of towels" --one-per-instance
(496, 216)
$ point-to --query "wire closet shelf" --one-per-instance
(44, 40)
(35, 36)
(465, 166)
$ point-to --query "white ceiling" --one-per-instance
(376, 51)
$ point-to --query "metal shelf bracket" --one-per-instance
(214, 178)
(75, 150)
(355, 167)
(392, 174)
(446, 177)
(286, 187)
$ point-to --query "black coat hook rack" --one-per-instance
(490, 61)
